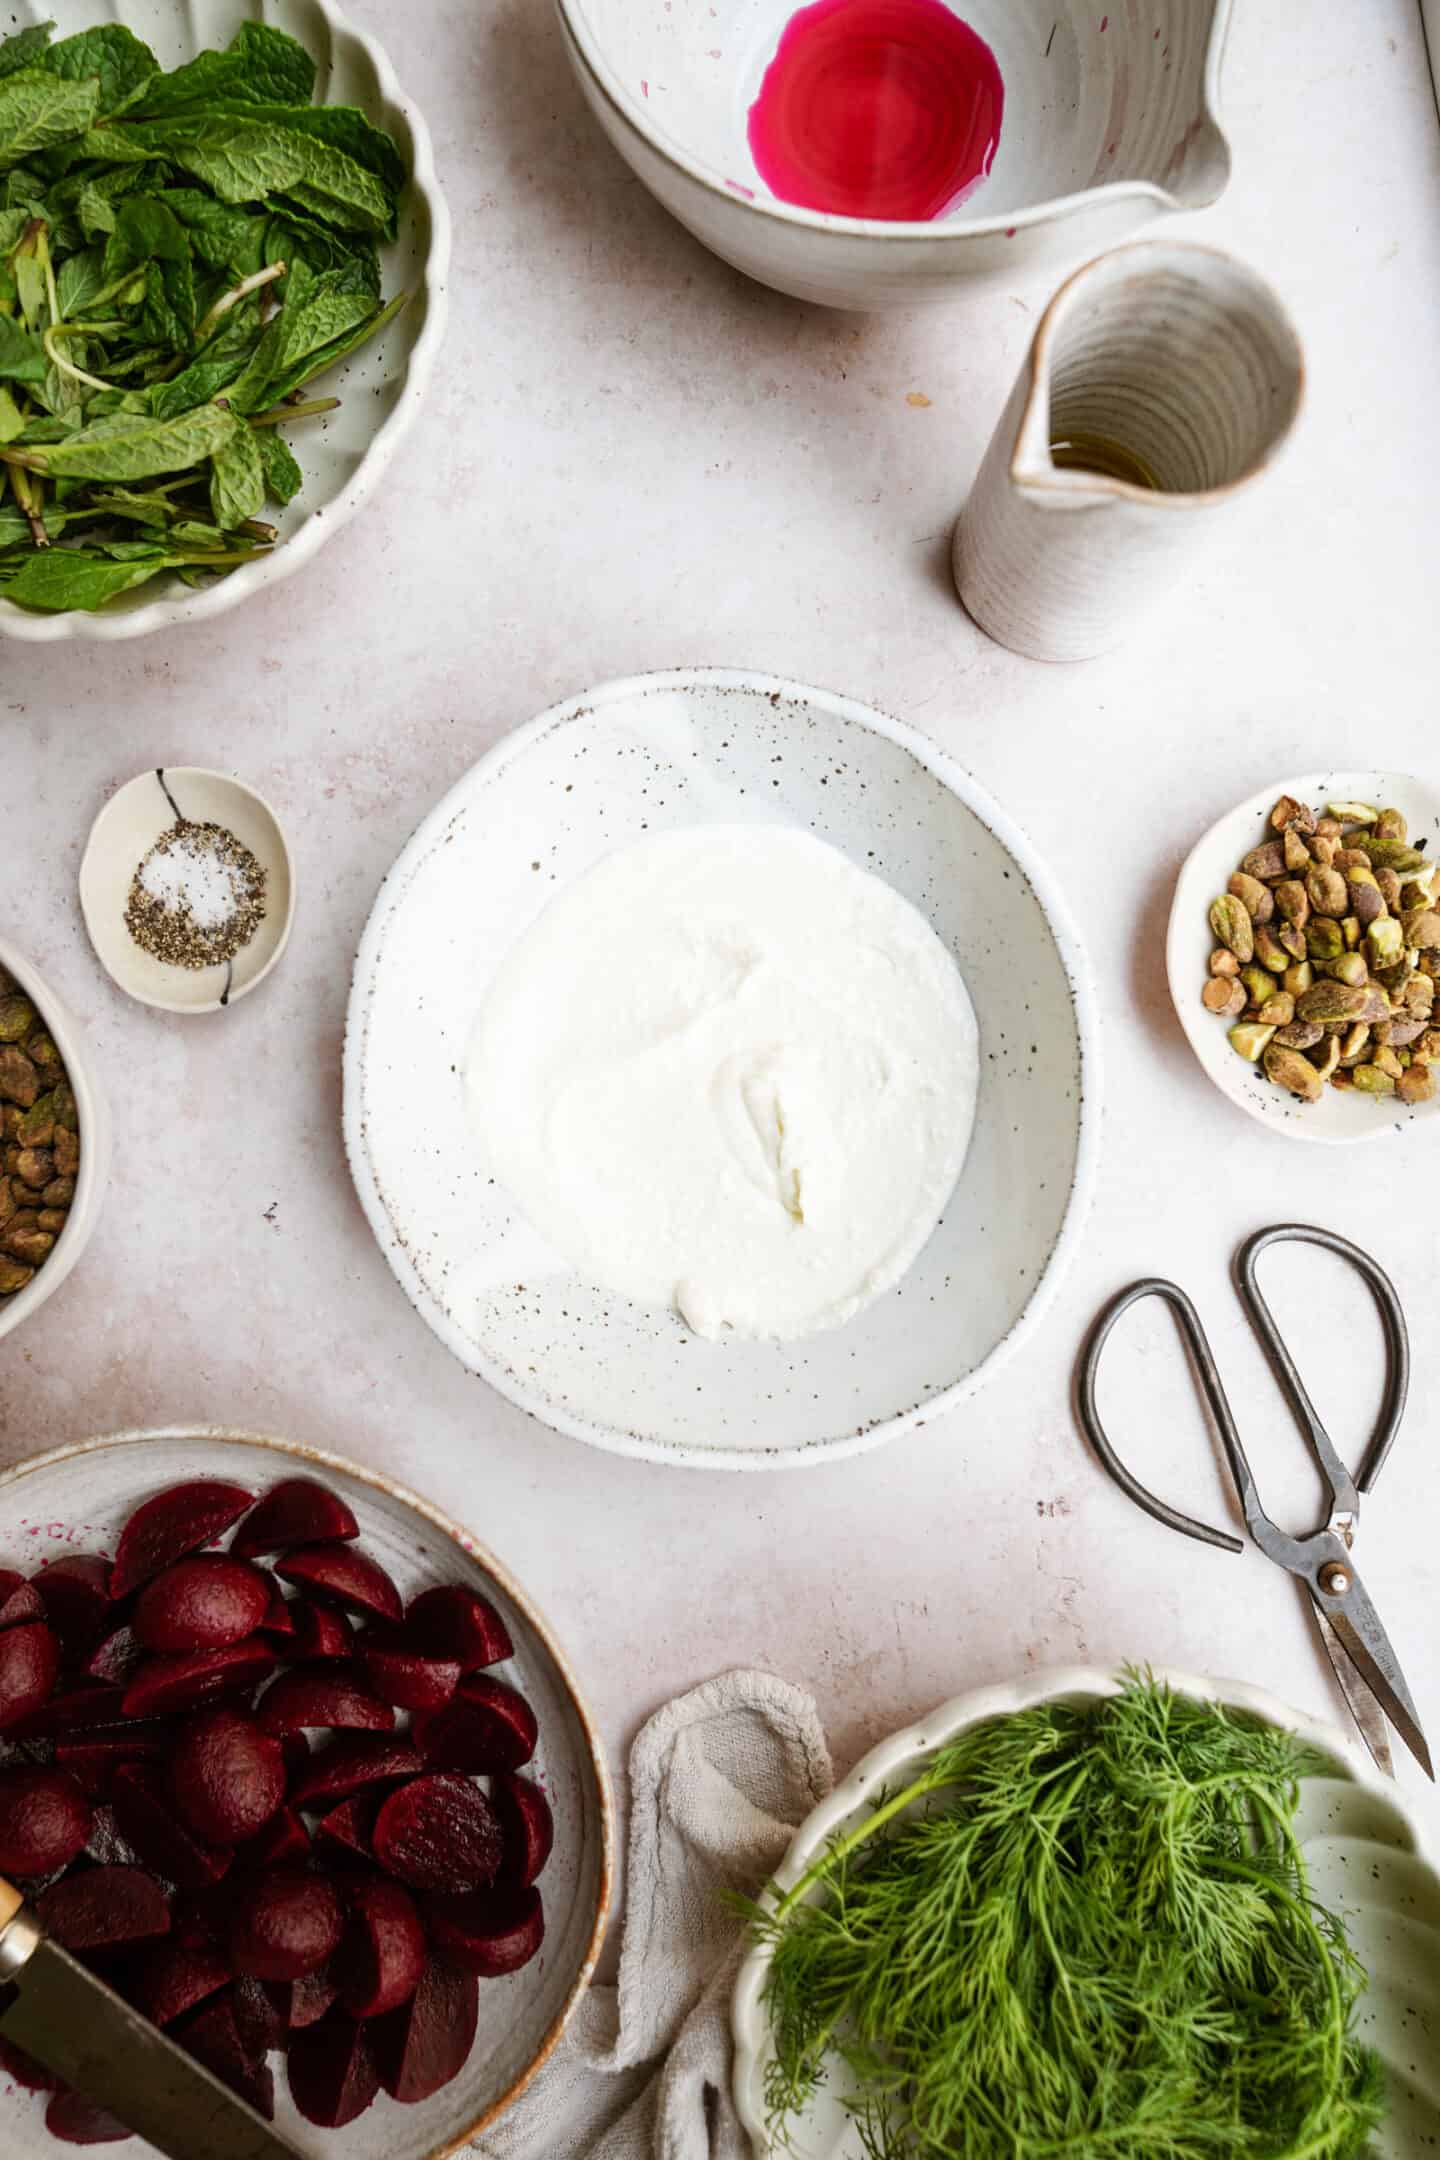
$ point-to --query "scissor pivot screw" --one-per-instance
(1335, 1579)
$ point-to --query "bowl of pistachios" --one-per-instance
(54, 1140)
(1304, 955)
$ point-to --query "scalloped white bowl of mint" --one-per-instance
(223, 260)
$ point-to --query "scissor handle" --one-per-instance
(1344, 1488)
(1209, 1377)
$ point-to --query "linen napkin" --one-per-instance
(719, 1781)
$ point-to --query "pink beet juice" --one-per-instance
(877, 109)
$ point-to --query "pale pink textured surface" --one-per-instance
(633, 459)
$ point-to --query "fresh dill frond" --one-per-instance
(1082, 1931)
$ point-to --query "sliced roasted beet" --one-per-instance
(347, 1766)
(95, 1756)
(487, 1725)
(104, 1908)
(116, 1657)
(316, 1696)
(283, 1923)
(146, 1818)
(24, 2069)
(311, 1996)
(455, 1622)
(279, 1619)
(76, 1708)
(204, 1603)
(262, 2012)
(347, 1575)
(284, 1839)
(297, 1511)
(333, 2077)
(183, 1680)
(411, 1678)
(439, 1833)
(78, 2121)
(383, 1952)
(44, 1820)
(213, 2036)
(345, 1831)
(20, 1601)
(201, 1918)
(170, 1980)
(318, 1631)
(227, 1776)
(527, 1823)
(489, 1932)
(177, 1521)
(75, 1592)
(29, 1661)
(423, 2044)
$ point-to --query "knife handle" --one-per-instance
(11, 1900)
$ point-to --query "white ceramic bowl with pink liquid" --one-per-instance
(1109, 119)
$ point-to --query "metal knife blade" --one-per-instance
(79, 2028)
(1368, 1715)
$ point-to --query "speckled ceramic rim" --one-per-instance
(322, 1459)
(96, 843)
(1083, 1000)
(904, 1751)
(294, 553)
(1370, 1123)
(93, 1115)
(585, 49)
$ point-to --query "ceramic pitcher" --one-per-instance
(1161, 382)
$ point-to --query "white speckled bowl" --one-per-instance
(345, 454)
(94, 1126)
(1341, 1117)
(122, 836)
(656, 753)
(1110, 120)
(1362, 1845)
(77, 1498)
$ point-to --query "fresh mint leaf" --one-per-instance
(136, 446)
(261, 67)
(327, 310)
(225, 238)
(25, 49)
(58, 578)
(276, 68)
(237, 481)
(145, 231)
(116, 146)
(215, 368)
(78, 280)
(95, 211)
(12, 420)
(168, 317)
(282, 386)
(243, 160)
(283, 477)
(22, 357)
(112, 56)
(38, 109)
(293, 237)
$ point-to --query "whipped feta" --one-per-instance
(729, 1072)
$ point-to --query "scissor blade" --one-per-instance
(1368, 1715)
(1357, 1624)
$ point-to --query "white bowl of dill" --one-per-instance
(1098, 1914)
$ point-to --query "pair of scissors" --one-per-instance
(1366, 1666)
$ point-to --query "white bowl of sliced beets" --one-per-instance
(295, 1765)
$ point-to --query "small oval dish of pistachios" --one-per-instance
(1304, 955)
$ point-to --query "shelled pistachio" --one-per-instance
(1327, 954)
(39, 1141)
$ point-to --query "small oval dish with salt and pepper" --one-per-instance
(1254, 1052)
(187, 889)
